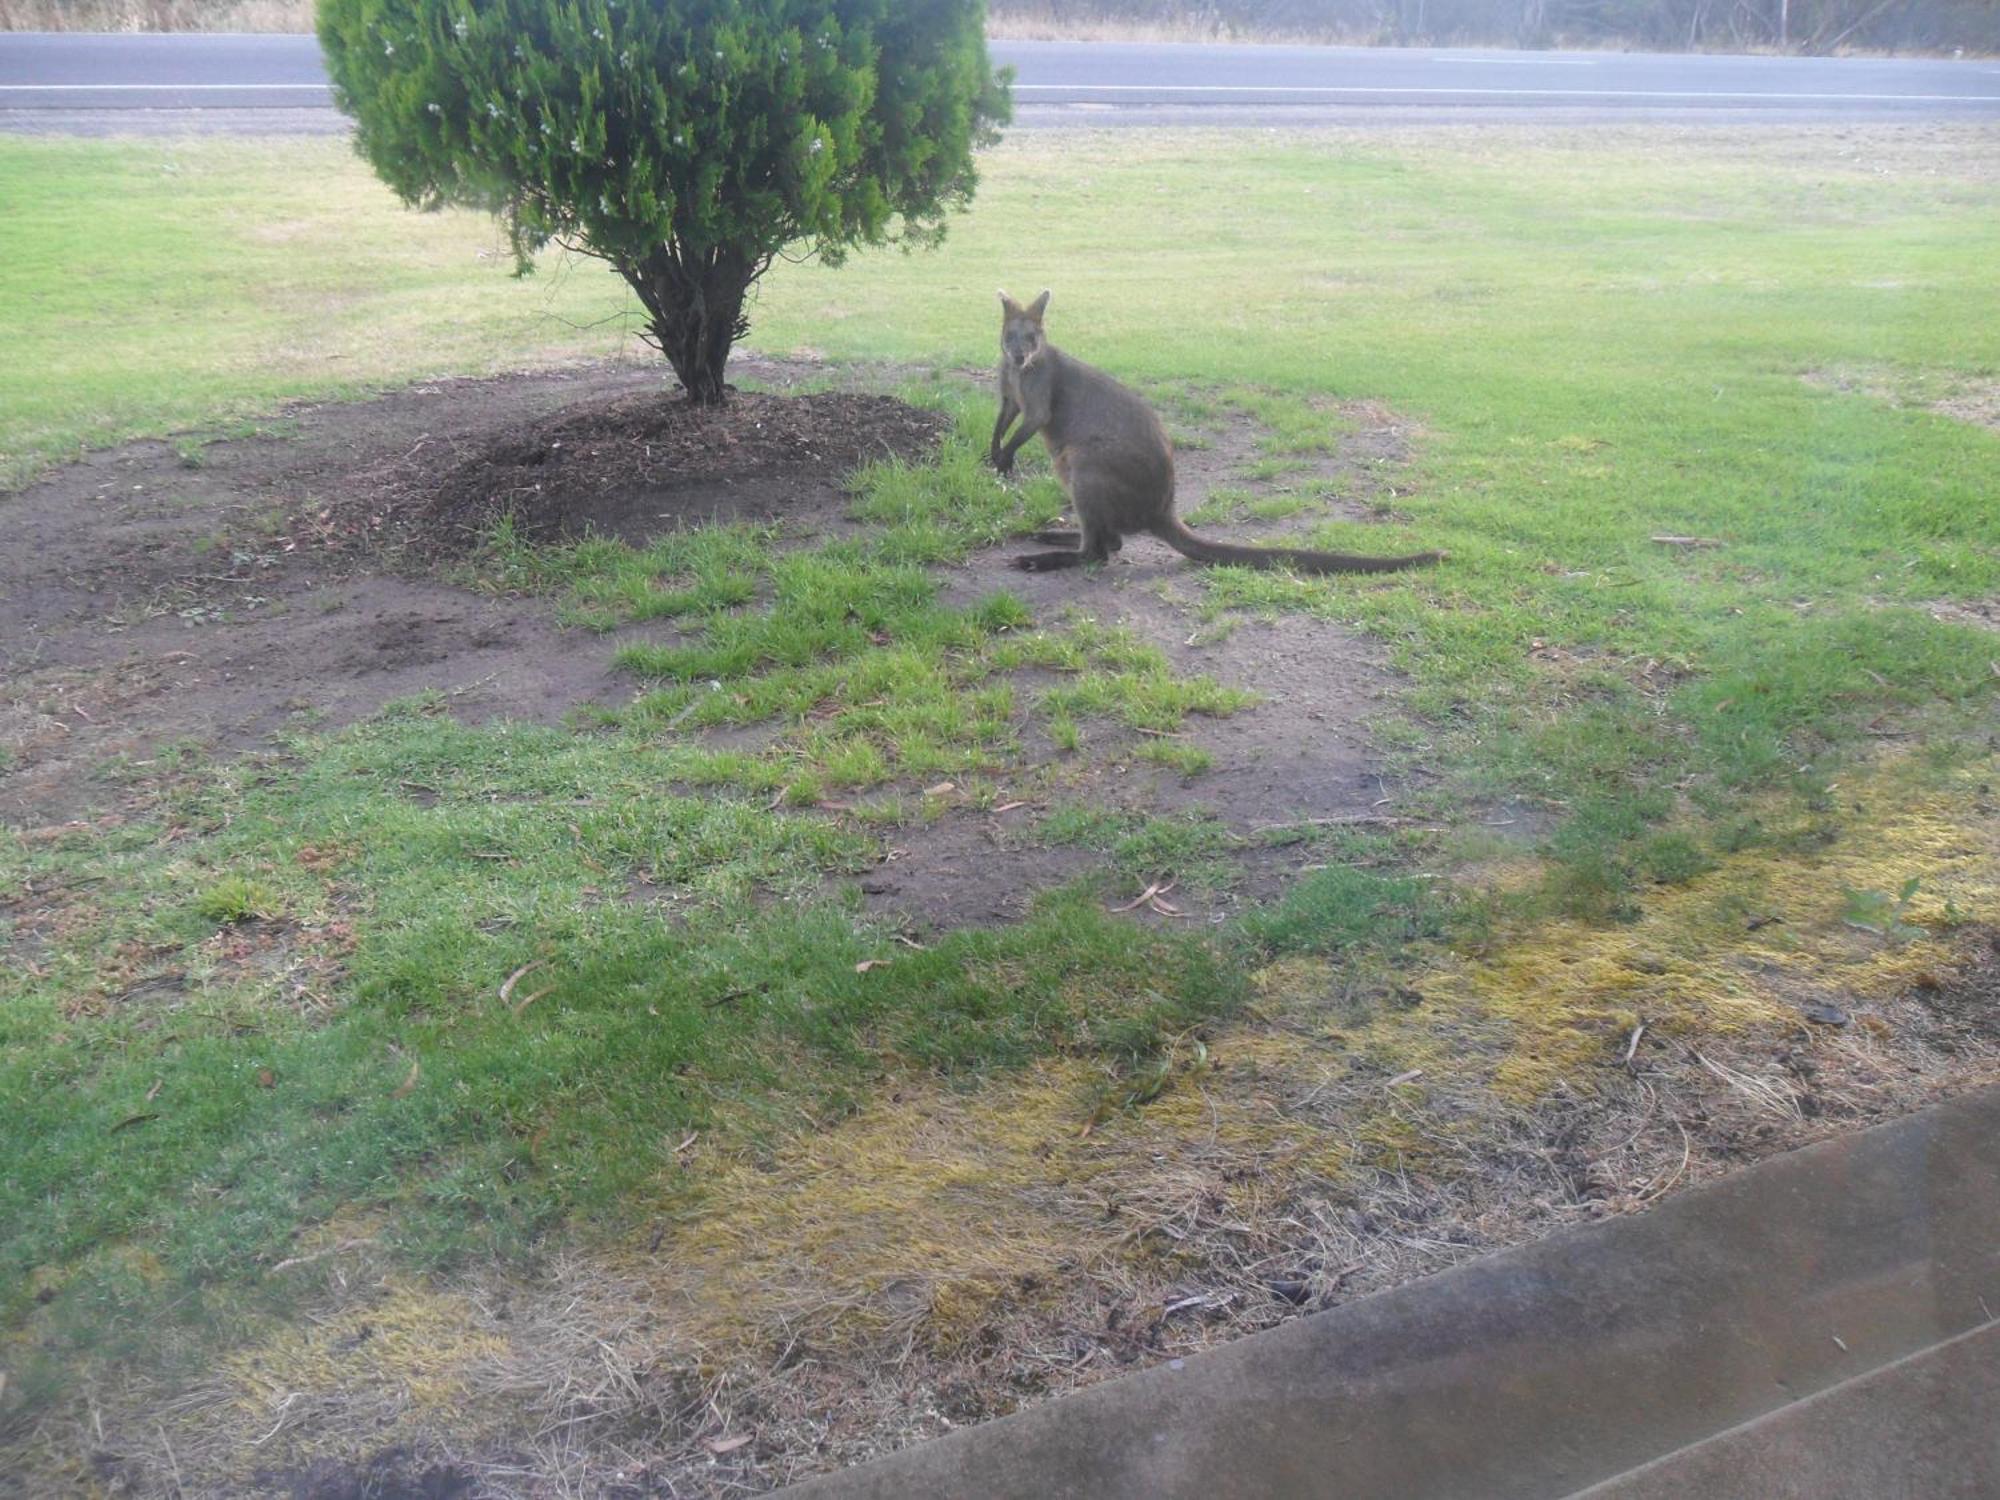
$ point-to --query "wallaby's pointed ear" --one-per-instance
(1009, 304)
(1039, 306)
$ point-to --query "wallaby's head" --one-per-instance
(1021, 336)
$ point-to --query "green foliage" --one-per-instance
(686, 142)
(1883, 914)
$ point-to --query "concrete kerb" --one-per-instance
(1544, 1370)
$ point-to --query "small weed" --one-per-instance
(1194, 849)
(1189, 760)
(1882, 914)
(235, 899)
(1339, 910)
(1673, 859)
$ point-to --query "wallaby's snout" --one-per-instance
(1021, 336)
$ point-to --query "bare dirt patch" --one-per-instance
(1962, 398)
(215, 593)
(636, 465)
(1982, 614)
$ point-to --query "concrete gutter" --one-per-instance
(1573, 1361)
(1927, 1426)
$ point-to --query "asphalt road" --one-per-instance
(48, 78)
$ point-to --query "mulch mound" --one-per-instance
(641, 464)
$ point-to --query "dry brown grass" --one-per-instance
(1963, 398)
(943, 1257)
(1045, 23)
(156, 15)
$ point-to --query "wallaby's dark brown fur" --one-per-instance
(1115, 460)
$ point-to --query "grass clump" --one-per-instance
(234, 899)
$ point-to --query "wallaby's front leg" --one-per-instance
(1004, 462)
(1008, 411)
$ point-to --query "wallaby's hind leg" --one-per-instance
(1095, 545)
(1057, 537)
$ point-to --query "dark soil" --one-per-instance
(392, 1474)
(214, 594)
(636, 465)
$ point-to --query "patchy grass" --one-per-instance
(431, 997)
(447, 995)
(1562, 656)
(1384, 1108)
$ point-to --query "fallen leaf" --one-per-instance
(266, 1078)
(872, 963)
(132, 1120)
(722, 1445)
(408, 1086)
(1009, 806)
(940, 789)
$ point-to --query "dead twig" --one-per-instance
(527, 1000)
(1357, 820)
(1152, 898)
(340, 1249)
(1144, 896)
(507, 989)
(1632, 1047)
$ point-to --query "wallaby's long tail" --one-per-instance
(1190, 544)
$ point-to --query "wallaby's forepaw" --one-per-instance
(1002, 464)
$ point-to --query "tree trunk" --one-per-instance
(694, 312)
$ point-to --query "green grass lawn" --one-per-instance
(1603, 338)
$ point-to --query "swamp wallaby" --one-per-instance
(1114, 460)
